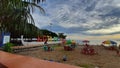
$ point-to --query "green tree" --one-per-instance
(61, 35)
(14, 12)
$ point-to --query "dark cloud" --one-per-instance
(115, 12)
(91, 7)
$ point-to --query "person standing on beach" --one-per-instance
(45, 45)
(45, 41)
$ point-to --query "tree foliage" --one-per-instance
(30, 31)
(14, 12)
(61, 35)
(16, 18)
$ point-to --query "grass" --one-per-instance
(86, 65)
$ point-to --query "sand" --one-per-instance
(104, 59)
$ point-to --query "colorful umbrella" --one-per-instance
(112, 42)
(106, 42)
(109, 42)
(68, 42)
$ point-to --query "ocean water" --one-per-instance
(95, 42)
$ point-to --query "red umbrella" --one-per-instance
(86, 41)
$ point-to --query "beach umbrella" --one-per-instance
(68, 42)
(112, 42)
(106, 42)
(86, 41)
(109, 42)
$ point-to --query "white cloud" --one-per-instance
(41, 21)
(69, 25)
(92, 23)
(105, 31)
(72, 14)
(116, 3)
(76, 37)
(86, 37)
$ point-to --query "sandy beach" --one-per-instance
(104, 59)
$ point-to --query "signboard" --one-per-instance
(4, 38)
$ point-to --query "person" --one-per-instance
(117, 51)
(45, 41)
(64, 58)
(45, 48)
(86, 45)
(73, 45)
(45, 45)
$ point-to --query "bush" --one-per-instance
(7, 47)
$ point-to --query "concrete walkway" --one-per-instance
(8, 60)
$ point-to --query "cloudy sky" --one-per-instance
(81, 19)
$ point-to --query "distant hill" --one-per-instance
(29, 31)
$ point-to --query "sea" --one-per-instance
(96, 42)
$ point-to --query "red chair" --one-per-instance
(67, 48)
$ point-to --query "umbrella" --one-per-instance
(109, 42)
(112, 42)
(106, 42)
(68, 42)
(85, 41)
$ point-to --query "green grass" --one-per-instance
(86, 65)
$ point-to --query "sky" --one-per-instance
(81, 19)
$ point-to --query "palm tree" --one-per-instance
(61, 35)
(17, 12)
